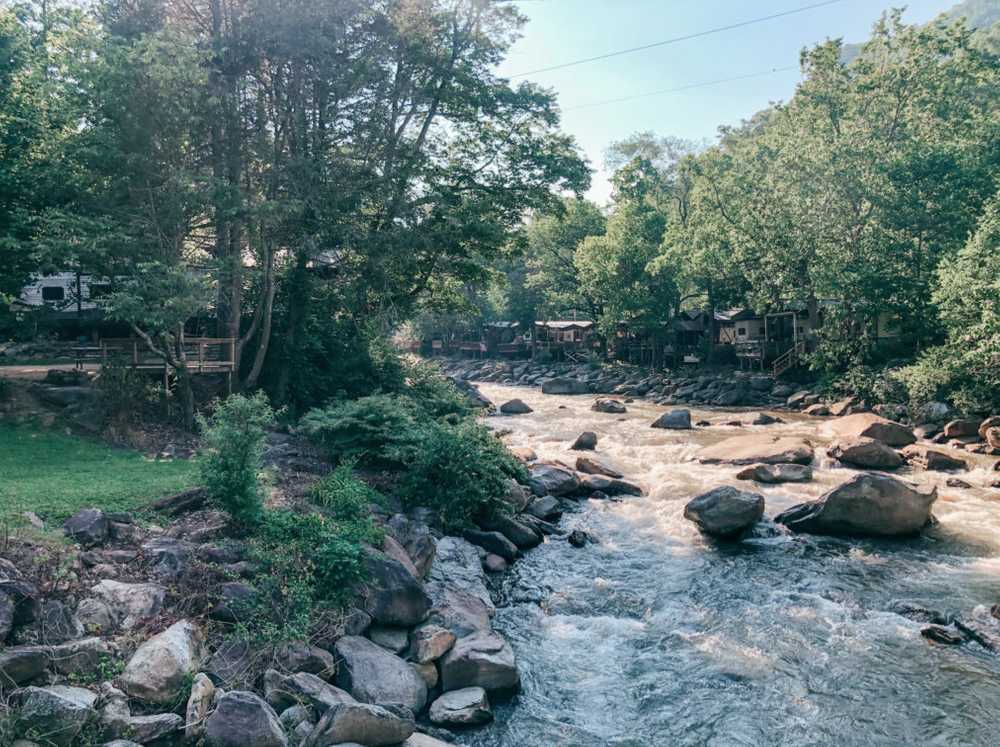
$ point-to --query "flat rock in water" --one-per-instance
(469, 706)
(675, 420)
(866, 505)
(565, 386)
(866, 453)
(608, 485)
(483, 660)
(755, 448)
(870, 425)
(596, 466)
(610, 406)
(932, 460)
(776, 473)
(549, 479)
(725, 512)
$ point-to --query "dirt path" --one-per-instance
(37, 373)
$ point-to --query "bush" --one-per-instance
(873, 385)
(348, 501)
(127, 397)
(432, 393)
(941, 374)
(376, 431)
(234, 436)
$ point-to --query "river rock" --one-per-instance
(492, 542)
(424, 740)
(360, 723)
(469, 706)
(517, 496)
(763, 418)
(242, 719)
(431, 642)
(161, 666)
(866, 453)
(58, 712)
(817, 410)
(725, 511)
(515, 407)
(577, 538)
(283, 691)
(480, 660)
(520, 534)
(755, 448)
(457, 585)
(870, 425)
(595, 466)
(675, 420)
(392, 595)
(776, 473)
(610, 406)
(131, 604)
(565, 386)
(586, 441)
(417, 540)
(932, 460)
(546, 507)
(961, 428)
(608, 485)
(842, 407)
(990, 422)
(549, 479)
(373, 675)
(87, 527)
(866, 505)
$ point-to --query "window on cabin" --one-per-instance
(741, 331)
(53, 293)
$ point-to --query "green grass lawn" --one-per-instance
(54, 475)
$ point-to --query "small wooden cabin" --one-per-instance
(564, 338)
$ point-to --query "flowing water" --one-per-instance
(654, 635)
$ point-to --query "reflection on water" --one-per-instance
(656, 636)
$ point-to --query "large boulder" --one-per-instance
(457, 585)
(866, 453)
(373, 675)
(725, 512)
(990, 422)
(870, 425)
(755, 448)
(483, 660)
(469, 706)
(515, 407)
(934, 412)
(675, 420)
(362, 724)
(550, 479)
(961, 428)
(932, 460)
(59, 712)
(776, 473)
(392, 595)
(591, 465)
(87, 527)
(130, 604)
(609, 485)
(492, 542)
(586, 441)
(284, 691)
(867, 505)
(565, 386)
(609, 406)
(520, 534)
(242, 719)
(162, 666)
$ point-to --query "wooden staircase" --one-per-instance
(788, 359)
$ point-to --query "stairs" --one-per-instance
(788, 359)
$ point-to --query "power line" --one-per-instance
(683, 88)
(676, 39)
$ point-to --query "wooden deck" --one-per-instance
(203, 354)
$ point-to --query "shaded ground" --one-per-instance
(36, 372)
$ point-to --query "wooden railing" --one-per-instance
(203, 354)
(788, 359)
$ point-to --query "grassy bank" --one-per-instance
(54, 475)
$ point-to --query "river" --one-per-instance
(654, 635)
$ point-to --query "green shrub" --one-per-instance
(942, 374)
(432, 393)
(377, 431)
(871, 384)
(126, 395)
(348, 501)
(462, 471)
(234, 437)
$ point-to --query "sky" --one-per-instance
(564, 30)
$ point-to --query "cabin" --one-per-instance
(565, 339)
(505, 339)
(66, 303)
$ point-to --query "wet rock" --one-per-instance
(372, 675)
(424, 740)
(931, 460)
(868, 504)
(431, 642)
(469, 706)
(199, 705)
(776, 473)
(565, 386)
(360, 723)
(961, 428)
(161, 666)
(520, 534)
(676, 420)
(866, 453)
(21, 664)
(763, 418)
(725, 512)
(941, 634)
(607, 485)
(609, 406)
(284, 691)
(870, 425)
(586, 441)
(392, 595)
(756, 448)
(59, 712)
(817, 410)
(88, 527)
(242, 719)
(515, 407)
(480, 660)
(492, 542)
(546, 507)
(300, 656)
(595, 466)
(578, 538)
(918, 613)
(954, 482)
(130, 604)
(549, 479)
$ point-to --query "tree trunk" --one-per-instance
(298, 304)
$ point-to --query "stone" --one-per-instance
(577, 538)
(866, 453)
(468, 706)
(676, 420)
(167, 557)
(394, 550)
(416, 539)
(990, 422)
(961, 428)
(373, 675)
(284, 691)
(607, 485)
(565, 386)
(131, 604)
(59, 712)
(494, 563)
(546, 507)
(392, 595)
(161, 666)
(954, 482)
(391, 639)
(870, 425)
(523, 453)
(515, 407)
(237, 602)
(199, 705)
(153, 728)
(242, 719)
(932, 460)
(596, 466)
(934, 412)
(457, 586)
(88, 527)
(763, 418)
(866, 505)
(776, 473)
(424, 740)
(428, 673)
(300, 656)
(482, 659)
(725, 512)
(755, 448)
(7, 608)
(290, 718)
(81, 658)
(586, 441)
(609, 406)
(492, 542)
(21, 664)
(517, 497)
(24, 595)
(430, 643)
(549, 479)
(993, 439)
(520, 534)
(817, 410)
(942, 634)
(361, 723)
(95, 616)
(841, 407)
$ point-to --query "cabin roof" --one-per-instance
(735, 315)
(565, 324)
(502, 325)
